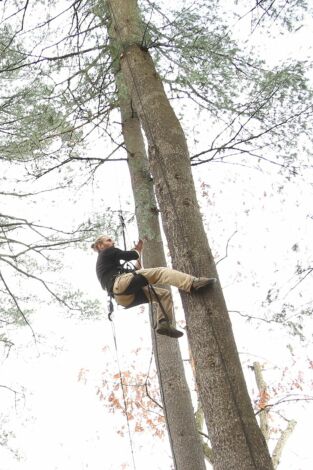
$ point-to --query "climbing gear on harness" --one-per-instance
(200, 282)
(135, 287)
(110, 307)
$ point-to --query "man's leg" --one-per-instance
(120, 285)
(164, 318)
(165, 299)
(182, 281)
(168, 276)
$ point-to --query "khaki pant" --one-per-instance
(154, 276)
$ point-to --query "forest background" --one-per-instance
(58, 358)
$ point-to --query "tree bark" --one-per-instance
(184, 438)
(178, 410)
(237, 441)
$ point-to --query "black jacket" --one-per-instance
(108, 265)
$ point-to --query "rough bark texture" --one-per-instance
(237, 441)
(184, 438)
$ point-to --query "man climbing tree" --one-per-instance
(131, 286)
(183, 436)
(237, 442)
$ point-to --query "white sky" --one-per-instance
(60, 423)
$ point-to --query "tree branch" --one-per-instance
(227, 245)
(264, 396)
(18, 307)
(276, 455)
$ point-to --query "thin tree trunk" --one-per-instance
(262, 386)
(184, 438)
(264, 417)
(237, 441)
(282, 442)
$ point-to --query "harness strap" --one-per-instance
(135, 287)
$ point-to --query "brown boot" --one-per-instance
(165, 328)
(200, 282)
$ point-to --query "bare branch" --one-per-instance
(21, 195)
(227, 245)
(307, 272)
(286, 400)
(41, 281)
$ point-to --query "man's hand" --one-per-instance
(139, 246)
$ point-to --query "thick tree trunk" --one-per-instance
(237, 441)
(178, 409)
(184, 438)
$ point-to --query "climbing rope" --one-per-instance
(123, 225)
(124, 395)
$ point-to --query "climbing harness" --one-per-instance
(136, 288)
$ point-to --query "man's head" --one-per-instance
(102, 243)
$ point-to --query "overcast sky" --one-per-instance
(59, 422)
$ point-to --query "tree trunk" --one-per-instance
(184, 438)
(237, 441)
(177, 405)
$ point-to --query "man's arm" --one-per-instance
(125, 255)
(138, 247)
